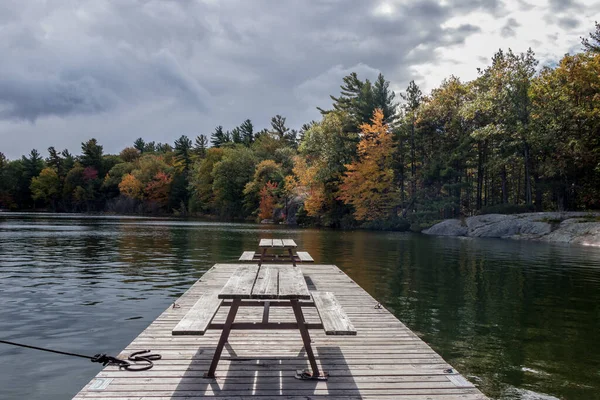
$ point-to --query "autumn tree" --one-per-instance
(129, 154)
(268, 200)
(158, 189)
(368, 185)
(266, 171)
(131, 187)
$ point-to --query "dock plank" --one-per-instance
(385, 361)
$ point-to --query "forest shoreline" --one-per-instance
(557, 227)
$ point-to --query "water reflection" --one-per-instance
(519, 319)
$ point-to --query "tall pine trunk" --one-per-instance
(413, 167)
(526, 158)
(504, 185)
(480, 155)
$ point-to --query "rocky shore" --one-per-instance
(564, 227)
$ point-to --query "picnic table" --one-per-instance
(267, 286)
(267, 252)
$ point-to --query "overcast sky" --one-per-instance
(120, 69)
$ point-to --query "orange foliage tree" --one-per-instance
(368, 184)
(158, 188)
(267, 200)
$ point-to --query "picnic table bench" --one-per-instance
(266, 286)
(266, 252)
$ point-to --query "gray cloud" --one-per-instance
(508, 29)
(118, 70)
(568, 22)
(565, 5)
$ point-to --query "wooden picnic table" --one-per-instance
(267, 286)
(265, 245)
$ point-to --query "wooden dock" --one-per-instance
(385, 360)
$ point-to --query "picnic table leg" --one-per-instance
(262, 256)
(306, 339)
(224, 336)
(292, 257)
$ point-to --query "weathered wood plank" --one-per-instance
(267, 284)
(304, 256)
(265, 243)
(240, 284)
(277, 243)
(292, 284)
(247, 256)
(289, 243)
(197, 320)
(335, 321)
(384, 361)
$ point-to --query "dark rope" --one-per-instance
(138, 356)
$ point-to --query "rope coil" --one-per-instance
(131, 364)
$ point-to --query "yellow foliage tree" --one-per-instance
(307, 185)
(368, 184)
(130, 186)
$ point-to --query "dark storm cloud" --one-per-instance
(142, 67)
(103, 55)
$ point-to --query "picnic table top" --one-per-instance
(277, 243)
(266, 282)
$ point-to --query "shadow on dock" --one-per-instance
(256, 375)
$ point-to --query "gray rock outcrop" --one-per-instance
(572, 227)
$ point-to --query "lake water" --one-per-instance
(521, 320)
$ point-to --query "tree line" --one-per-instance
(516, 138)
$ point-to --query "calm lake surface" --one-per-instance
(520, 320)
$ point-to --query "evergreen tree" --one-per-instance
(219, 137)
(68, 161)
(413, 98)
(359, 99)
(247, 130)
(200, 146)
(384, 99)
(183, 148)
(149, 147)
(92, 155)
(55, 161)
(278, 126)
(140, 145)
(592, 44)
(236, 136)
